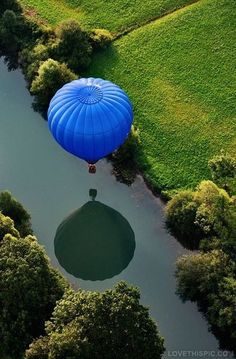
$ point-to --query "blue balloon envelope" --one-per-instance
(90, 118)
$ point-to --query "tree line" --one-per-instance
(205, 219)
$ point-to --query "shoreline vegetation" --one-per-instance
(201, 213)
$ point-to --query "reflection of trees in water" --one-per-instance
(95, 242)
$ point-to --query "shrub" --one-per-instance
(10, 207)
(32, 58)
(51, 77)
(198, 275)
(100, 39)
(73, 46)
(213, 209)
(109, 325)
(223, 170)
(180, 219)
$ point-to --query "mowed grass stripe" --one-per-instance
(116, 15)
(180, 74)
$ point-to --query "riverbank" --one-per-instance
(51, 184)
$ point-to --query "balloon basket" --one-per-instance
(92, 168)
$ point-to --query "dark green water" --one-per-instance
(52, 184)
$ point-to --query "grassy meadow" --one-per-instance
(180, 74)
(179, 71)
(116, 15)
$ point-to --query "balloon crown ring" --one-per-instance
(90, 94)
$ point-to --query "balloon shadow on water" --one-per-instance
(95, 242)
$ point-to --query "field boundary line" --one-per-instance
(153, 19)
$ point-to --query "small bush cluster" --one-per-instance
(34, 46)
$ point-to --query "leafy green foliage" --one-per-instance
(100, 39)
(16, 33)
(222, 312)
(181, 213)
(223, 171)
(73, 46)
(31, 60)
(200, 274)
(10, 41)
(213, 209)
(192, 216)
(13, 5)
(10, 207)
(209, 278)
(51, 77)
(7, 227)
(30, 288)
(109, 325)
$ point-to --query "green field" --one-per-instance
(179, 71)
(180, 74)
(114, 15)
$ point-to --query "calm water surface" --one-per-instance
(51, 184)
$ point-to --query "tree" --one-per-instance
(16, 33)
(10, 5)
(198, 275)
(30, 288)
(32, 58)
(212, 212)
(73, 46)
(223, 170)
(193, 216)
(10, 42)
(109, 325)
(181, 212)
(222, 166)
(100, 39)
(51, 77)
(10, 207)
(209, 278)
(7, 227)
(222, 311)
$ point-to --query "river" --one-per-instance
(51, 184)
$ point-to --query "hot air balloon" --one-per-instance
(90, 118)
